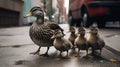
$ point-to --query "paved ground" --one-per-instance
(15, 46)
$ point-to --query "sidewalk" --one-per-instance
(14, 36)
(15, 46)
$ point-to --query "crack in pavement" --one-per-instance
(15, 46)
(112, 35)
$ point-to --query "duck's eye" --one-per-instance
(41, 10)
(33, 10)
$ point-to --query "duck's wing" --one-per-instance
(53, 26)
(67, 44)
(101, 43)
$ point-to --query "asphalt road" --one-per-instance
(15, 46)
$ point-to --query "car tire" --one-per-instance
(86, 19)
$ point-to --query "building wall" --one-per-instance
(62, 11)
(13, 6)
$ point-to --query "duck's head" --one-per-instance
(36, 12)
(58, 34)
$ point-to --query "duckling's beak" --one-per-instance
(28, 15)
(88, 32)
(78, 32)
(63, 34)
(69, 31)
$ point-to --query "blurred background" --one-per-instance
(60, 11)
(15, 43)
(12, 11)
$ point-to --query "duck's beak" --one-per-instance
(53, 37)
(28, 15)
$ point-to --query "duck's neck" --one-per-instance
(40, 20)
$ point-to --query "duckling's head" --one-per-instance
(72, 29)
(81, 30)
(36, 12)
(58, 34)
(94, 30)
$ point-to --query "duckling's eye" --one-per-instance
(92, 29)
(83, 30)
(55, 33)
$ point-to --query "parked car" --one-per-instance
(99, 11)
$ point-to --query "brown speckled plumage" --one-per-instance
(72, 36)
(41, 34)
(60, 43)
(81, 41)
(95, 41)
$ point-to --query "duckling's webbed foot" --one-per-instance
(60, 55)
(87, 55)
(78, 54)
(99, 54)
(67, 57)
(92, 53)
(36, 52)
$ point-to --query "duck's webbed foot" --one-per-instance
(36, 52)
(46, 54)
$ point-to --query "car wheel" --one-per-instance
(86, 19)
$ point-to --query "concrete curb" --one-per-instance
(112, 50)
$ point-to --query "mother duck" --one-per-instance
(41, 32)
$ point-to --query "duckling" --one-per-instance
(60, 43)
(41, 32)
(81, 41)
(72, 36)
(95, 41)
